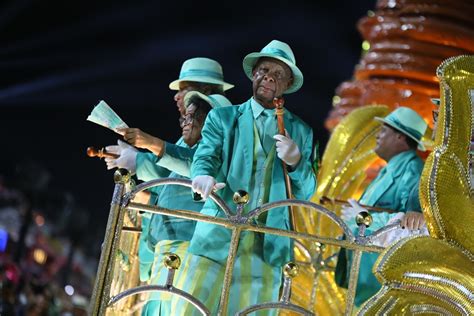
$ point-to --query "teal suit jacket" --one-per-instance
(226, 153)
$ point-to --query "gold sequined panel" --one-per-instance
(423, 271)
(347, 155)
(435, 274)
(445, 194)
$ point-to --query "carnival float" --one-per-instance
(413, 50)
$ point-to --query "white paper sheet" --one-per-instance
(103, 115)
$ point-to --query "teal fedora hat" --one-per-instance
(281, 51)
(408, 122)
(214, 100)
(203, 70)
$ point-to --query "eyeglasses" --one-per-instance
(186, 120)
(435, 115)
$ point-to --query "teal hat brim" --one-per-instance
(211, 99)
(421, 147)
(251, 59)
(175, 84)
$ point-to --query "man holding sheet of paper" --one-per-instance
(199, 74)
(103, 115)
(164, 159)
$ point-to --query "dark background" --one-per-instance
(59, 58)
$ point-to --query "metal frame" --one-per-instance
(236, 222)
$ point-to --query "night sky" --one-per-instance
(59, 58)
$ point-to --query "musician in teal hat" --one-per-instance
(240, 147)
(397, 142)
(199, 74)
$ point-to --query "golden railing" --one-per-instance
(103, 298)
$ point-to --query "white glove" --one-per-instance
(204, 185)
(127, 156)
(287, 150)
(348, 213)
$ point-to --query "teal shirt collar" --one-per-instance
(257, 109)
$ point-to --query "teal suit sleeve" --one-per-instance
(207, 159)
(407, 183)
(303, 180)
(177, 159)
(414, 199)
(147, 168)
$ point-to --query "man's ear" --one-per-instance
(403, 138)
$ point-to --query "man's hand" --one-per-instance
(204, 185)
(413, 220)
(403, 231)
(127, 156)
(287, 150)
(140, 139)
(348, 213)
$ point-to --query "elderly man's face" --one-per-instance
(271, 78)
(191, 126)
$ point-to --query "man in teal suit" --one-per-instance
(397, 142)
(241, 148)
(163, 234)
(166, 234)
(198, 74)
